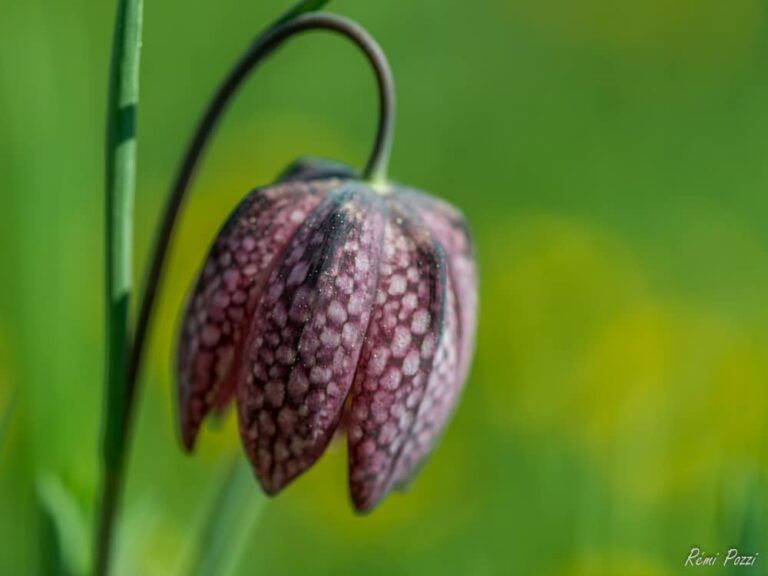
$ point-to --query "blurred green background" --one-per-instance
(611, 158)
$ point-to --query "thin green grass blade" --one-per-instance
(120, 188)
(233, 516)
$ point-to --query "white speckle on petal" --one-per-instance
(330, 338)
(362, 263)
(337, 313)
(411, 363)
(391, 380)
(401, 342)
(397, 285)
(378, 361)
(420, 323)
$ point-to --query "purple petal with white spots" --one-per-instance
(439, 400)
(450, 229)
(219, 309)
(307, 333)
(402, 346)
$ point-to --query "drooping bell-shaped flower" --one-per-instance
(326, 300)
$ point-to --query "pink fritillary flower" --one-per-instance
(325, 300)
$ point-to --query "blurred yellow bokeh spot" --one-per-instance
(661, 393)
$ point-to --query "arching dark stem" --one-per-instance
(259, 50)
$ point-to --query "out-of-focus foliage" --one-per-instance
(611, 158)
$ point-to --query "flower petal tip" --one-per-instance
(306, 336)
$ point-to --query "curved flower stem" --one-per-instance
(263, 46)
(258, 51)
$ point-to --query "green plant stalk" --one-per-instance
(120, 186)
(234, 512)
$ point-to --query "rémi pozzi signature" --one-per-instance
(697, 557)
